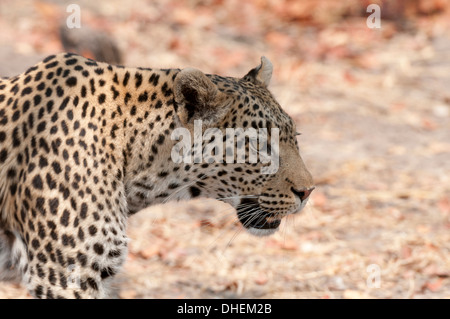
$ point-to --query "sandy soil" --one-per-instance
(373, 108)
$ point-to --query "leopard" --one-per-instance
(84, 145)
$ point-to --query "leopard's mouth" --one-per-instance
(256, 220)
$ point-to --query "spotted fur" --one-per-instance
(83, 145)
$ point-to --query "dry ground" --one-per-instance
(374, 110)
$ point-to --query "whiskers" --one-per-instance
(226, 223)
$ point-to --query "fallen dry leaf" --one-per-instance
(150, 252)
(285, 244)
(261, 279)
(319, 199)
(429, 124)
(433, 286)
(444, 206)
(354, 294)
(128, 294)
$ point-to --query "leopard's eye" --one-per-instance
(298, 133)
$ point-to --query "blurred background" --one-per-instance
(373, 107)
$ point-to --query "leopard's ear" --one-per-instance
(261, 74)
(198, 98)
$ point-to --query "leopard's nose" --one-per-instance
(303, 194)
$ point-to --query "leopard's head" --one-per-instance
(244, 146)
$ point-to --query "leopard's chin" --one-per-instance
(255, 220)
(261, 232)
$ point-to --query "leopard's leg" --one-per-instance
(67, 268)
(74, 247)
